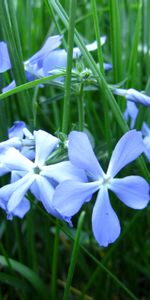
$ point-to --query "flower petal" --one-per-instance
(22, 208)
(105, 223)
(134, 96)
(133, 191)
(19, 192)
(3, 169)
(146, 141)
(45, 192)
(51, 43)
(63, 171)
(9, 87)
(15, 161)
(56, 59)
(70, 196)
(90, 47)
(129, 147)
(138, 97)
(82, 156)
(44, 145)
(16, 129)
(13, 142)
(131, 113)
(5, 63)
(107, 66)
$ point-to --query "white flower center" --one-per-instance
(105, 181)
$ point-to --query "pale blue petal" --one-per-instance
(107, 66)
(45, 143)
(19, 192)
(82, 156)
(138, 97)
(51, 43)
(5, 63)
(16, 130)
(9, 87)
(46, 192)
(70, 196)
(131, 113)
(15, 161)
(146, 141)
(63, 171)
(134, 96)
(3, 169)
(133, 191)
(13, 142)
(129, 147)
(8, 190)
(56, 59)
(105, 223)
(22, 208)
(89, 47)
(145, 129)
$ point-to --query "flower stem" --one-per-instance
(66, 105)
(81, 107)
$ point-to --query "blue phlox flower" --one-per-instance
(53, 60)
(133, 191)
(32, 64)
(45, 61)
(37, 177)
(133, 96)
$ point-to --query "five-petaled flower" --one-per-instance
(133, 191)
(35, 176)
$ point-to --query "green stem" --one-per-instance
(74, 256)
(66, 105)
(80, 100)
(115, 40)
(100, 60)
(55, 263)
(97, 32)
(11, 34)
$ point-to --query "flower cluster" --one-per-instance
(48, 60)
(63, 187)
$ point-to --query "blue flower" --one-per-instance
(46, 60)
(131, 190)
(41, 179)
(133, 96)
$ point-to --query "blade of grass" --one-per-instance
(74, 256)
(134, 50)
(55, 263)
(10, 29)
(28, 274)
(100, 60)
(115, 39)
(29, 85)
(66, 104)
